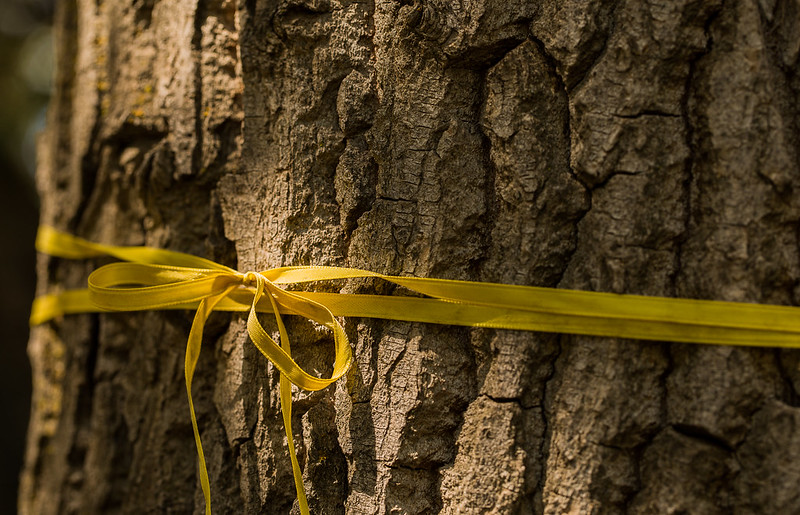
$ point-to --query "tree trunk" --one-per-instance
(638, 147)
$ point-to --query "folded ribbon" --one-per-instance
(161, 279)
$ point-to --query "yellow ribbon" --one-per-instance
(161, 279)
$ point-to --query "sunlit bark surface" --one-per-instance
(637, 147)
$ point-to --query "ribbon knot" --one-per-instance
(251, 279)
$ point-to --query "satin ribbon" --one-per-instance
(161, 279)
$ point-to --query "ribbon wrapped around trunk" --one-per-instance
(156, 279)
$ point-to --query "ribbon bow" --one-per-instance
(162, 279)
(173, 280)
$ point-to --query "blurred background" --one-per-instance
(26, 67)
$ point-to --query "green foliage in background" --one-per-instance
(26, 63)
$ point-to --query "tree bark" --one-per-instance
(638, 147)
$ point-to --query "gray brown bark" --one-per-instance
(638, 147)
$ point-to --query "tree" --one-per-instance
(636, 147)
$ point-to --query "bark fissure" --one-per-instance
(702, 434)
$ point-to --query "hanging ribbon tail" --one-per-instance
(192, 355)
(286, 412)
(263, 342)
(280, 356)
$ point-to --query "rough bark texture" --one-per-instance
(632, 146)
